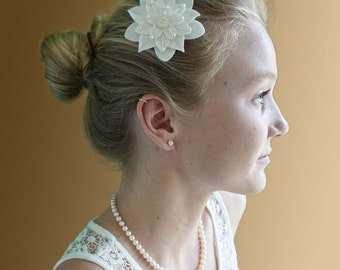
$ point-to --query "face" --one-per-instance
(227, 146)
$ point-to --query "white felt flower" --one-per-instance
(163, 25)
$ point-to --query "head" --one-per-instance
(228, 146)
(118, 75)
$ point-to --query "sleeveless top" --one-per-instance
(101, 247)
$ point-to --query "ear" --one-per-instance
(156, 117)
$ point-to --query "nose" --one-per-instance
(279, 125)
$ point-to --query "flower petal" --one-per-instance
(131, 34)
(157, 8)
(170, 3)
(197, 30)
(171, 32)
(183, 29)
(179, 9)
(166, 55)
(138, 14)
(155, 32)
(145, 43)
(188, 3)
(175, 18)
(190, 15)
(177, 43)
(143, 29)
(162, 43)
(162, 2)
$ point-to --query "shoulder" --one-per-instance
(76, 264)
(236, 205)
(86, 250)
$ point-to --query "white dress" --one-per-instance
(99, 246)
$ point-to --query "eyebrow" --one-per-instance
(264, 75)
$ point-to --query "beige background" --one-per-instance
(52, 183)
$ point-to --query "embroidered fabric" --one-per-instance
(97, 245)
(224, 238)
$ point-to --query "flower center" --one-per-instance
(162, 22)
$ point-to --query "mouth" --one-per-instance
(265, 157)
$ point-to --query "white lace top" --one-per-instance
(97, 245)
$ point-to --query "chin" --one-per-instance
(255, 192)
(257, 186)
(250, 188)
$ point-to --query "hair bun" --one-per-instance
(66, 56)
(97, 28)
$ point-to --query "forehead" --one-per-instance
(252, 57)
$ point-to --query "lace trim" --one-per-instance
(224, 238)
(97, 245)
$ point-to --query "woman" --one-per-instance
(181, 96)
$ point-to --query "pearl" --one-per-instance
(142, 251)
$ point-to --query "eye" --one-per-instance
(260, 96)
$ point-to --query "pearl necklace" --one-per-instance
(141, 250)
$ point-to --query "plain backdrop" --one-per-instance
(52, 183)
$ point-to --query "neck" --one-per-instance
(163, 213)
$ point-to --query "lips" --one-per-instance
(265, 156)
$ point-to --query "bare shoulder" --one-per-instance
(76, 264)
(236, 205)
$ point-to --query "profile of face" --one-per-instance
(227, 146)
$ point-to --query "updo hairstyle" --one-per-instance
(116, 75)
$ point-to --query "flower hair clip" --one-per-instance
(163, 25)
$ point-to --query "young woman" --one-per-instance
(180, 95)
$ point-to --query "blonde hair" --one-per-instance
(118, 75)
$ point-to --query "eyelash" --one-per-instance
(259, 98)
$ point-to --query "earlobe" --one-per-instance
(156, 118)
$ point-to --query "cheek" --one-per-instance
(246, 139)
(223, 142)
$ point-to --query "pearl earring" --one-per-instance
(171, 143)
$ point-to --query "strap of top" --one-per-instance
(97, 245)
(224, 238)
